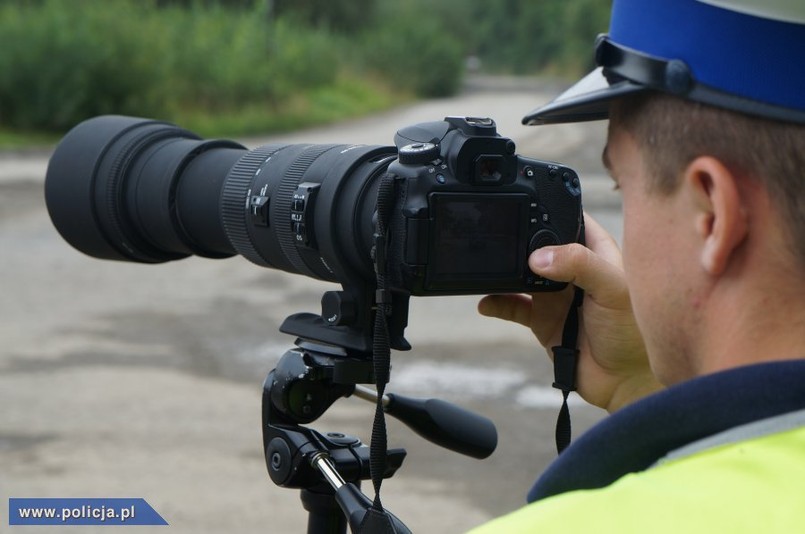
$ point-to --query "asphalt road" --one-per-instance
(124, 380)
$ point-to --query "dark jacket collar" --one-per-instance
(635, 437)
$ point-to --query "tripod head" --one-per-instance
(330, 361)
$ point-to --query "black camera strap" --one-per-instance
(566, 359)
(565, 362)
(381, 345)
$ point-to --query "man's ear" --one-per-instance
(721, 218)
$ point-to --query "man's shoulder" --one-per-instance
(750, 485)
(644, 433)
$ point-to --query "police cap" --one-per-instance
(743, 55)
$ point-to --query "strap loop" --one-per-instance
(565, 363)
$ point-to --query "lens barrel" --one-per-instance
(133, 189)
(309, 208)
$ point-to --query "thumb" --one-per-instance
(578, 265)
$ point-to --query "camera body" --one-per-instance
(468, 210)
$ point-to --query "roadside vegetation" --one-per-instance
(239, 67)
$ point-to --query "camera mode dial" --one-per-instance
(418, 153)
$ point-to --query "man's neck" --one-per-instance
(755, 323)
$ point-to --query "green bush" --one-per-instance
(64, 61)
(258, 65)
(415, 55)
(61, 64)
(221, 58)
(517, 36)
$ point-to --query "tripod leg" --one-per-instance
(324, 514)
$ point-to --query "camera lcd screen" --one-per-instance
(476, 237)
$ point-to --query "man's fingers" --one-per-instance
(600, 241)
(597, 269)
(581, 266)
(514, 307)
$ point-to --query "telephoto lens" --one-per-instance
(133, 189)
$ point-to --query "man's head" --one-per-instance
(708, 241)
(707, 142)
(672, 132)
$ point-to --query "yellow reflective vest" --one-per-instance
(753, 485)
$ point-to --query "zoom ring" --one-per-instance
(235, 201)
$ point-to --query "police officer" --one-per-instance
(694, 338)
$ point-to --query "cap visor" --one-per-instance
(587, 100)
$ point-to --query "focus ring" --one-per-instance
(290, 181)
(235, 201)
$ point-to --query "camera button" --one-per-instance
(418, 153)
(258, 209)
(543, 238)
(572, 183)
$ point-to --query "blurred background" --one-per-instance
(235, 67)
(128, 380)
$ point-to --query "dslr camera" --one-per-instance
(466, 209)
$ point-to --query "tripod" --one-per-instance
(331, 360)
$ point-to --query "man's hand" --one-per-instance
(613, 368)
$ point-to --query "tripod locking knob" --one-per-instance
(338, 308)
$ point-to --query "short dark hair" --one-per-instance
(672, 132)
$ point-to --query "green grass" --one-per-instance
(23, 140)
(346, 98)
(349, 97)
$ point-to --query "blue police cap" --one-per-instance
(743, 55)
